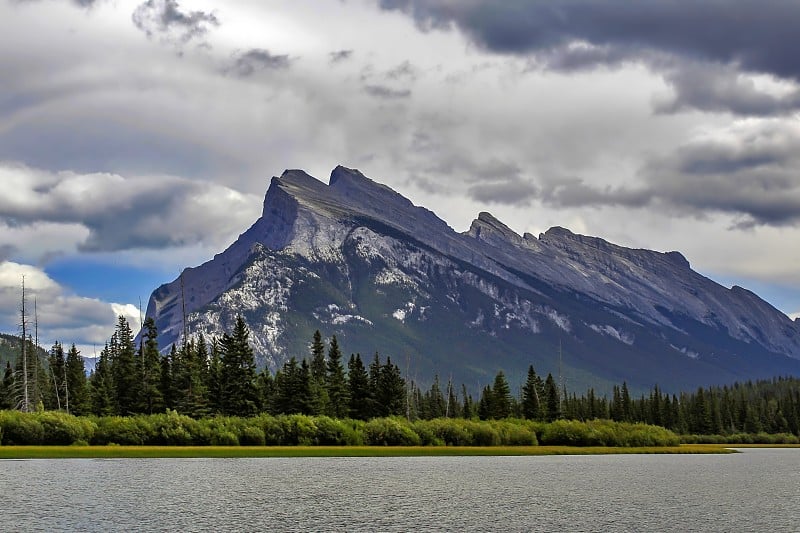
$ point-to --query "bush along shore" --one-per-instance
(173, 429)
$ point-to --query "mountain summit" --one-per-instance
(356, 259)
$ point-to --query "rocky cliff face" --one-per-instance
(356, 259)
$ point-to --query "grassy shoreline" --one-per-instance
(153, 452)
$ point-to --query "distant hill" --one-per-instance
(11, 348)
(356, 259)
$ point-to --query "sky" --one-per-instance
(138, 138)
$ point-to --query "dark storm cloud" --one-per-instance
(387, 93)
(761, 36)
(750, 36)
(340, 55)
(748, 171)
(247, 63)
(165, 18)
(718, 88)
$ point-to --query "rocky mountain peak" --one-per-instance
(489, 229)
(357, 259)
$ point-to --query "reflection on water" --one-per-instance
(752, 491)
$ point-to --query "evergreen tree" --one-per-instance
(434, 401)
(468, 411)
(501, 397)
(6, 398)
(390, 391)
(168, 392)
(552, 400)
(319, 372)
(102, 386)
(123, 368)
(361, 402)
(151, 399)
(214, 379)
(293, 389)
(77, 393)
(56, 397)
(486, 403)
(239, 387)
(530, 396)
(336, 383)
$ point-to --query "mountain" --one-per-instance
(356, 259)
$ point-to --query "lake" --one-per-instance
(758, 490)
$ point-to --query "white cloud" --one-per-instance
(62, 316)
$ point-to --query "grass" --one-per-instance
(116, 452)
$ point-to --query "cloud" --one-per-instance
(340, 55)
(62, 316)
(570, 35)
(245, 64)
(386, 93)
(758, 37)
(120, 213)
(165, 18)
(721, 88)
(747, 170)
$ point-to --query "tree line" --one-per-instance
(205, 378)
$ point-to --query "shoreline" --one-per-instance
(224, 452)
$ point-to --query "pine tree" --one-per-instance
(239, 387)
(336, 383)
(151, 398)
(123, 367)
(361, 402)
(501, 397)
(319, 371)
(214, 379)
(102, 386)
(552, 400)
(390, 391)
(530, 396)
(468, 411)
(57, 384)
(77, 393)
(434, 400)
(6, 398)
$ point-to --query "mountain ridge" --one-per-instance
(357, 259)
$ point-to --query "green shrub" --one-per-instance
(20, 428)
(61, 428)
(274, 434)
(252, 436)
(389, 432)
(124, 430)
(514, 433)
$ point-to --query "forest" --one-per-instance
(206, 379)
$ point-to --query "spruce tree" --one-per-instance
(319, 371)
(151, 398)
(390, 391)
(239, 387)
(123, 367)
(55, 399)
(552, 400)
(214, 379)
(531, 408)
(77, 392)
(361, 402)
(336, 383)
(501, 395)
(102, 386)
(6, 398)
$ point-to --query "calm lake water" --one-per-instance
(758, 490)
